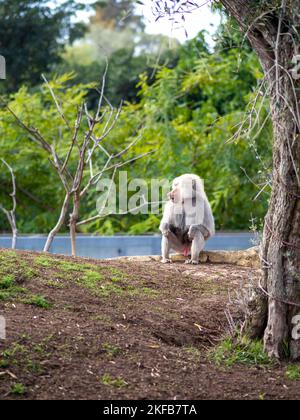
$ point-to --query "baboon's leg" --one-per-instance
(197, 246)
(169, 240)
(165, 250)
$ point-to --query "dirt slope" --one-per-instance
(83, 329)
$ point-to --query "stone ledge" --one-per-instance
(248, 258)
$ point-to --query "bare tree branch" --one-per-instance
(11, 214)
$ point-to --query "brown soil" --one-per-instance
(141, 331)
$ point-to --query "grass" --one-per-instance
(38, 301)
(11, 352)
(240, 351)
(35, 367)
(72, 266)
(8, 288)
(11, 293)
(14, 271)
(111, 350)
(55, 284)
(293, 372)
(7, 281)
(44, 261)
(115, 382)
(96, 282)
(4, 363)
(8, 356)
(193, 352)
(8, 254)
(18, 389)
(102, 281)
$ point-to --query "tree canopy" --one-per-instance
(32, 36)
(187, 112)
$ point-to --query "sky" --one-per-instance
(200, 19)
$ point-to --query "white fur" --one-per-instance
(188, 212)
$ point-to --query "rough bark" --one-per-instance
(279, 301)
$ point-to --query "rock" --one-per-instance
(248, 258)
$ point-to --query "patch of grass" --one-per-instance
(18, 389)
(44, 261)
(104, 319)
(8, 288)
(111, 350)
(72, 266)
(193, 352)
(27, 272)
(38, 301)
(241, 350)
(34, 367)
(38, 348)
(7, 281)
(140, 291)
(55, 284)
(91, 279)
(11, 293)
(116, 275)
(11, 352)
(293, 372)
(8, 355)
(115, 382)
(4, 363)
(95, 281)
(8, 253)
(107, 289)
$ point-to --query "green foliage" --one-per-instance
(293, 372)
(7, 281)
(241, 350)
(111, 350)
(18, 389)
(39, 189)
(121, 40)
(39, 301)
(32, 36)
(114, 382)
(188, 113)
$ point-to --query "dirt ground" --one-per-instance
(85, 329)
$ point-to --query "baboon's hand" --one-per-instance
(165, 229)
(193, 231)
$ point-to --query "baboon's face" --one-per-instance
(175, 194)
(183, 188)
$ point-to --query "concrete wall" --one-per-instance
(116, 246)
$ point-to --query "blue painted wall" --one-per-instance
(115, 246)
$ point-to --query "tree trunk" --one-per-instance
(281, 245)
(14, 231)
(73, 222)
(60, 222)
(271, 34)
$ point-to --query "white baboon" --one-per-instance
(188, 220)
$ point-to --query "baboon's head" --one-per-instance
(185, 187)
